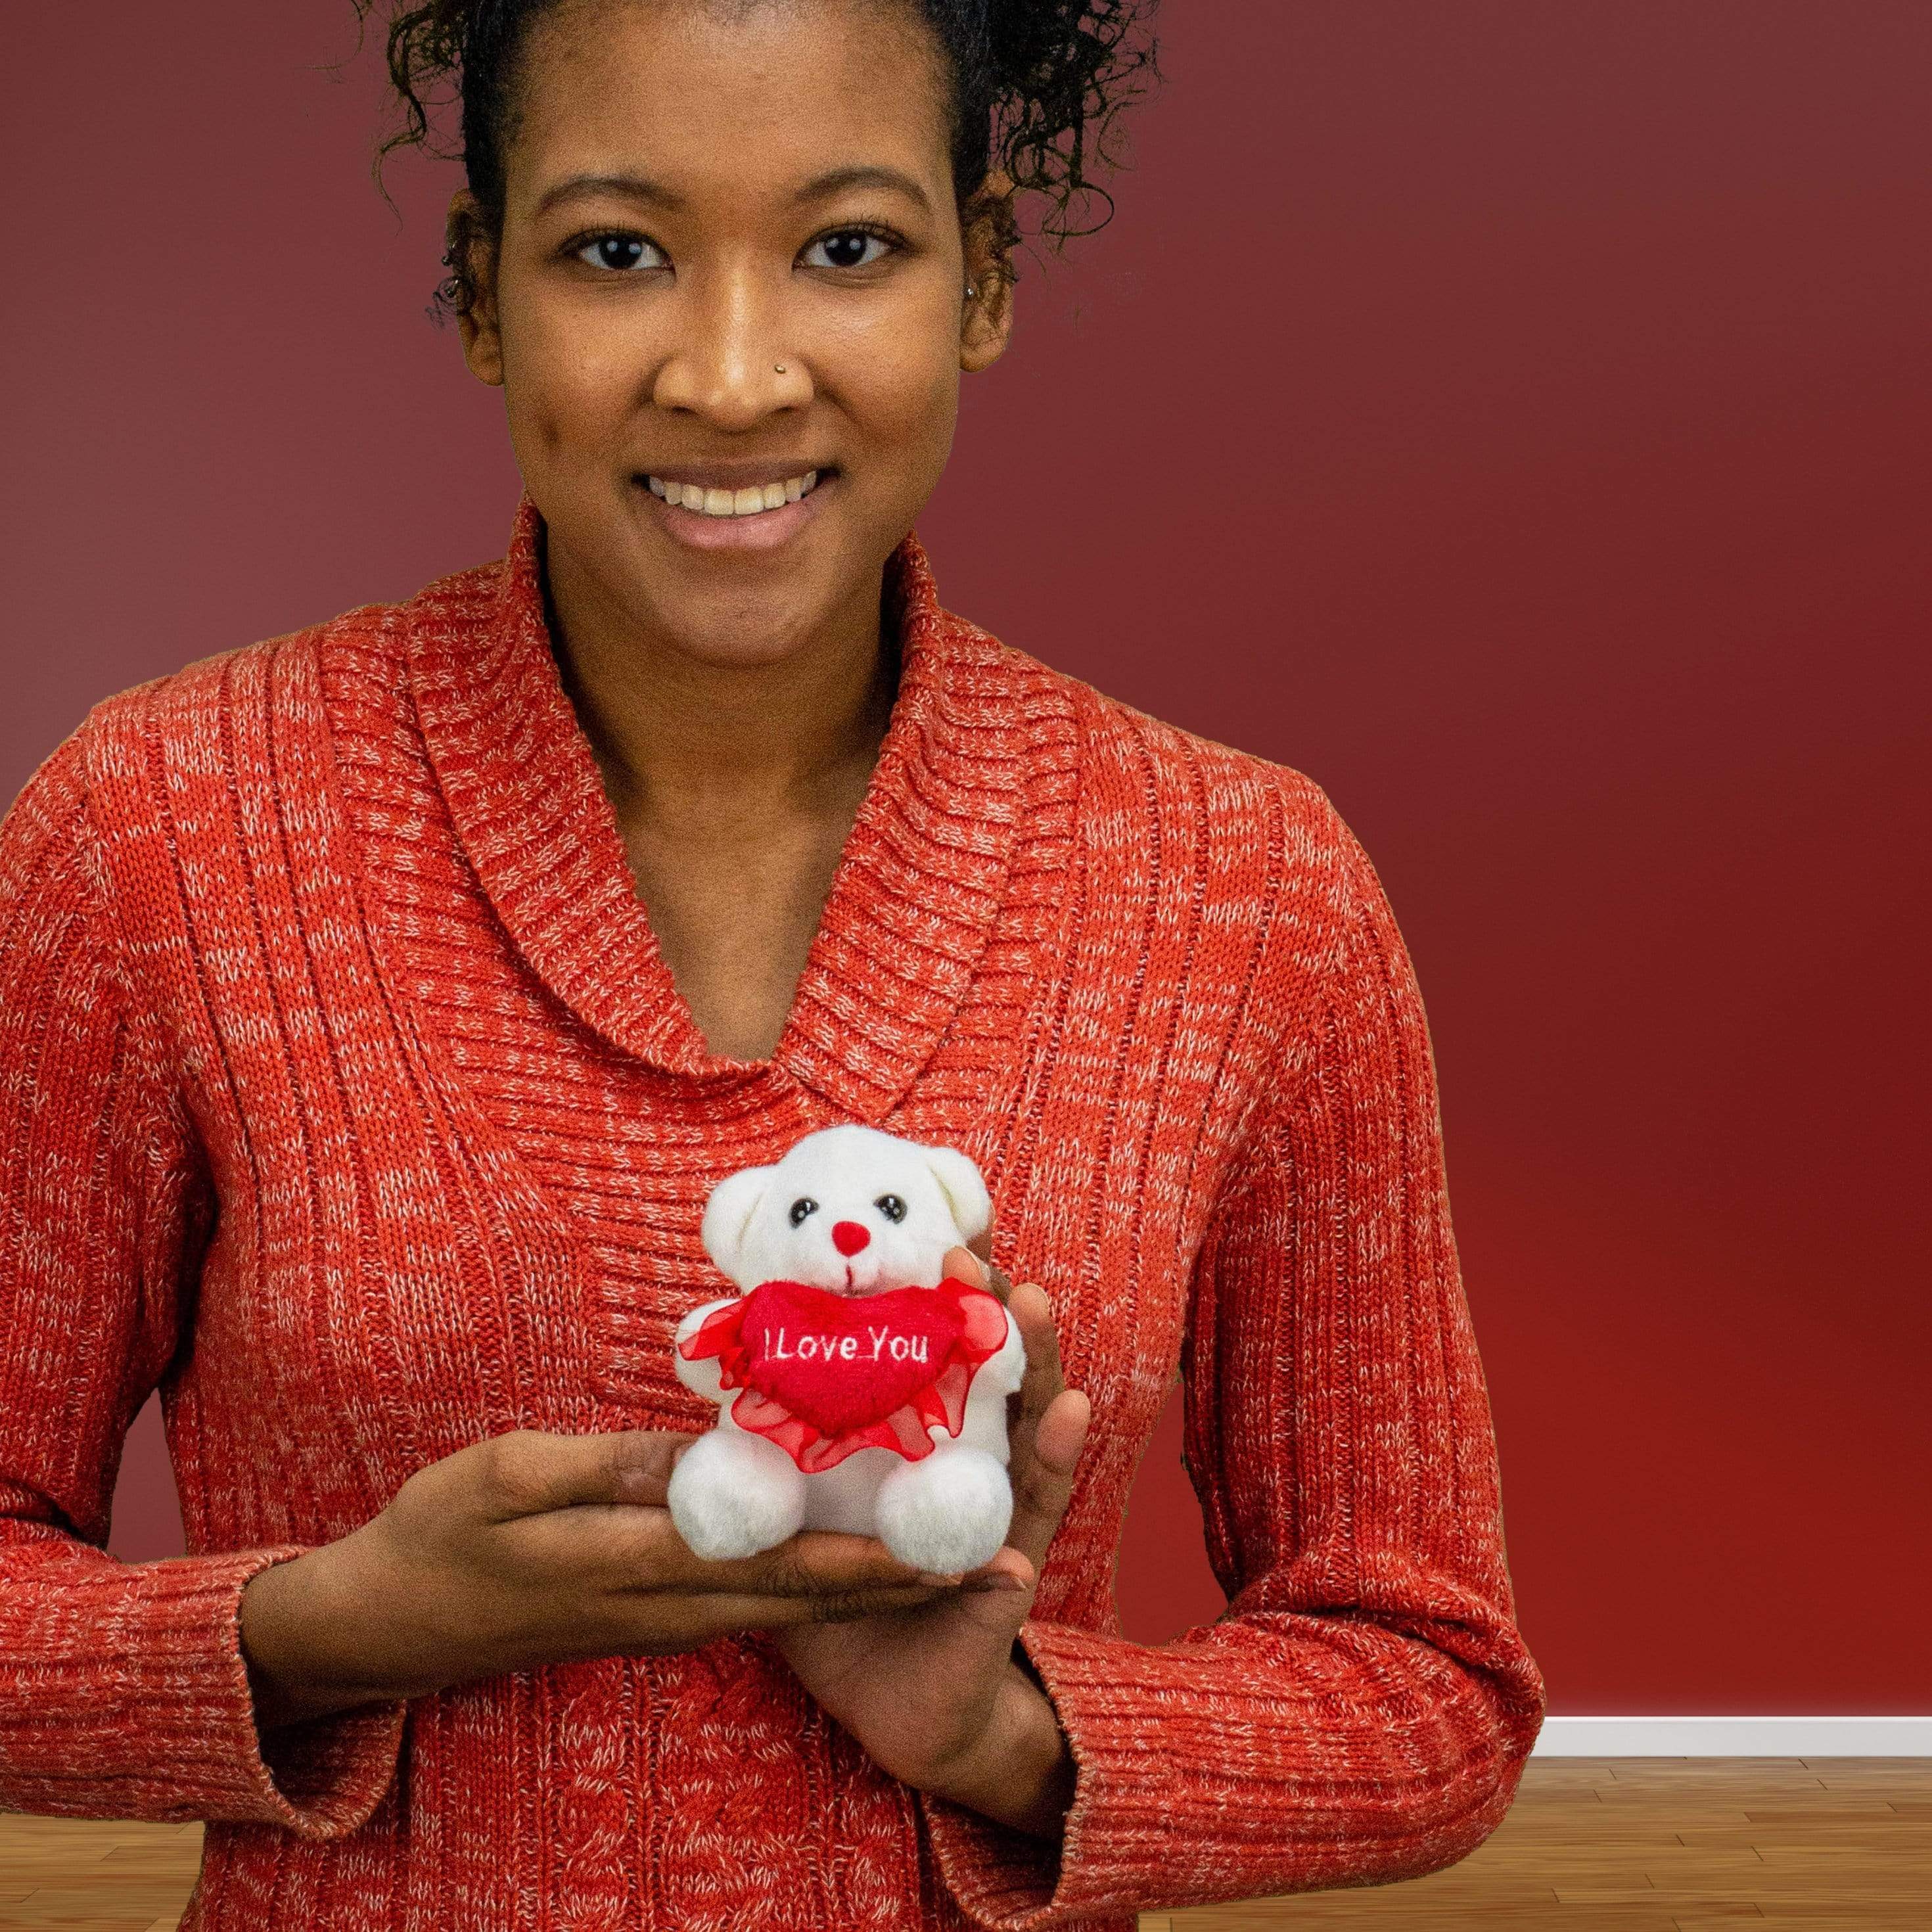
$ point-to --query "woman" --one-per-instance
(381, 1002)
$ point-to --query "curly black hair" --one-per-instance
(1035, 88)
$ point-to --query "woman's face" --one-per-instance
(696, 195)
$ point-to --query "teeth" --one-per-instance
(750, 501)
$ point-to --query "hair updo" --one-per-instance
(1034, 87)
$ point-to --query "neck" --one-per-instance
(677, 739)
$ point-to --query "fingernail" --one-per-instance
(933, 1576)
(995, 1579)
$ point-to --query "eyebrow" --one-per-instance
(641, 187)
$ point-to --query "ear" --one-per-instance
(728, 1212)
(965, 1191)
(472, 259)
(989, 233)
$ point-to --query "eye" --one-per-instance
(801, 1207)
(848, 246)
(891, 1206)
(616, 250)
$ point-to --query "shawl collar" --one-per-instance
(917, 889)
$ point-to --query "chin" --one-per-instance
(733, 628)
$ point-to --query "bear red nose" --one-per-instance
(849, 1237)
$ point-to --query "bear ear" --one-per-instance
(959, 1181)
(727, 1215)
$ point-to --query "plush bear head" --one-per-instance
(849, 1209)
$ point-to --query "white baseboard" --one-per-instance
(1734, 1737)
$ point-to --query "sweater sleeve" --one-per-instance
(124, 1691)
(1362, 1710)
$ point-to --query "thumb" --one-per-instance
(969, 1265)
(997, 1597)
(528, 1470)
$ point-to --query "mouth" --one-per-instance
(759, 516)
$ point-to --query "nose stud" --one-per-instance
(778, 368)
(849, 1237)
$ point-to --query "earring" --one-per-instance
(970, 289)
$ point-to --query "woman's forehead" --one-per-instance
(716, 100)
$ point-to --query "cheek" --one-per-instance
(570, 379)
(914, 1252)
(761, 1248)
(898, 376)
(784, 1242)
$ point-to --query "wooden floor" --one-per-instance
(1613, 1845)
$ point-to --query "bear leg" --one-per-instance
(948, 1511)
(732, 1495)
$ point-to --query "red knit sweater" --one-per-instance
(345, 1097)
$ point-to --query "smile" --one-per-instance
(759, 518)
(753, 502)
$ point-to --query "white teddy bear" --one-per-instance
(870, 1394)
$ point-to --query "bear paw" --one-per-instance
(947, 1512)
(733, 1495)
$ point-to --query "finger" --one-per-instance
(1042, 1379)
(1063, 1431)
(963, 1264)
(527, 1471)
(1008, 1569)
(812, 1563)
(750, 1611)
(1033, 1309)
(1043, 1473)
(1040, 1495)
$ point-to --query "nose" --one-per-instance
(849, 1237)
(719, 365)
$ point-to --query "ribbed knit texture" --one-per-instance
(346, 1097)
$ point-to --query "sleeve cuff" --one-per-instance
(1010, 1881)
(319, 1779)
(160, 1722)
(1205, 1773)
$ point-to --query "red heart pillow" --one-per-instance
(841, 1361)
(824, 1376)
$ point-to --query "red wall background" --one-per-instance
(1517, 417)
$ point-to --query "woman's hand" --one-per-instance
(525, 1549)
(933, 1691)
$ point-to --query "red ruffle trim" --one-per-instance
(943, 1399)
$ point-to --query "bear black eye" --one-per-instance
(802, 1207)
(891, 1206)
